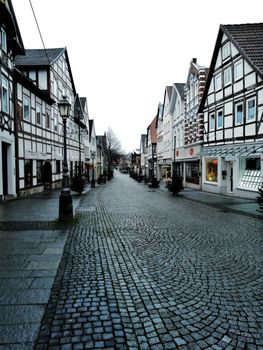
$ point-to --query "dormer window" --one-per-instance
(226, 50)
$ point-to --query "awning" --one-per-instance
(233, 151)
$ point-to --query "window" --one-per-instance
(226, 50)
(211, 170)
(227, 76)
(219, 120)
(5, 98)
(32, 75)
(192, 172)
(250, 173)
(28, 172)
(218, 82)
(251, 109)
(42, 80)
(55, 122)
(47, 121)
(3, 40)
(212, 122)
(238, 70)
(26, 109)
(239, 113)
(38, 114)
(39, 171)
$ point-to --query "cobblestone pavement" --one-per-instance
(146, 270)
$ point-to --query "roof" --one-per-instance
(248, 39)
(180, 89)
(152, 128)
(39, 57)
(169, 90)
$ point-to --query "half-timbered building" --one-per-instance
(233, 112)
(10, 45)
(46, 77)
(193, 127)
(152, 150)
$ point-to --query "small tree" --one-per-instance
(260, 197)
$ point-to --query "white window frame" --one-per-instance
(38, 110)
(214, 121)
(226, 50)
(238, 75)
(5, 95)
(217, 115)
(28, 99)
(247, 109)
(236, 108)
(218, 81)
(227, 73)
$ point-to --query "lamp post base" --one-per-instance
(65, 207)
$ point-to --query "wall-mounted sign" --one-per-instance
(177, 153)
(191, 151)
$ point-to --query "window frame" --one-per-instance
(228, 69)
(3, 40)
(226, 50)
(218, 77)
(25, 97)
(38, 114)
(236, 64)
(247, 109)
(217, 113)
(236, 113)
(5, 95)
(214, 121)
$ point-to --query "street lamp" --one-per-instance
(65, 199)
(93, 154)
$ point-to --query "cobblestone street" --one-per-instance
(144, 270)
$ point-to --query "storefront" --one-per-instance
(233, 170)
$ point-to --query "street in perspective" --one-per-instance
(138, 268)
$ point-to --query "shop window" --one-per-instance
(28, 172)
(39, 171)
(250, 170)
(211, 170)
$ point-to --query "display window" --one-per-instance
(211, 170)
(250, 171)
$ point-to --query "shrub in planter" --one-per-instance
(176, 185)
(77, 184)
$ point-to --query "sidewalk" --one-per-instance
(242, 206)
(38, 207)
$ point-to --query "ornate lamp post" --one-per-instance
(93, 154)
(65, 199)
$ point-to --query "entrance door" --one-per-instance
(47, 176)
(230, 177)
(4, 168)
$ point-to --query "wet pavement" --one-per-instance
(140, 269)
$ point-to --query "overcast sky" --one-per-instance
(124, 52)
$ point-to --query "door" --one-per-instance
(4, 168)
(230, 177)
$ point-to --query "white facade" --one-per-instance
(233, 137)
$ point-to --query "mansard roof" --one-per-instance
(248, 39)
